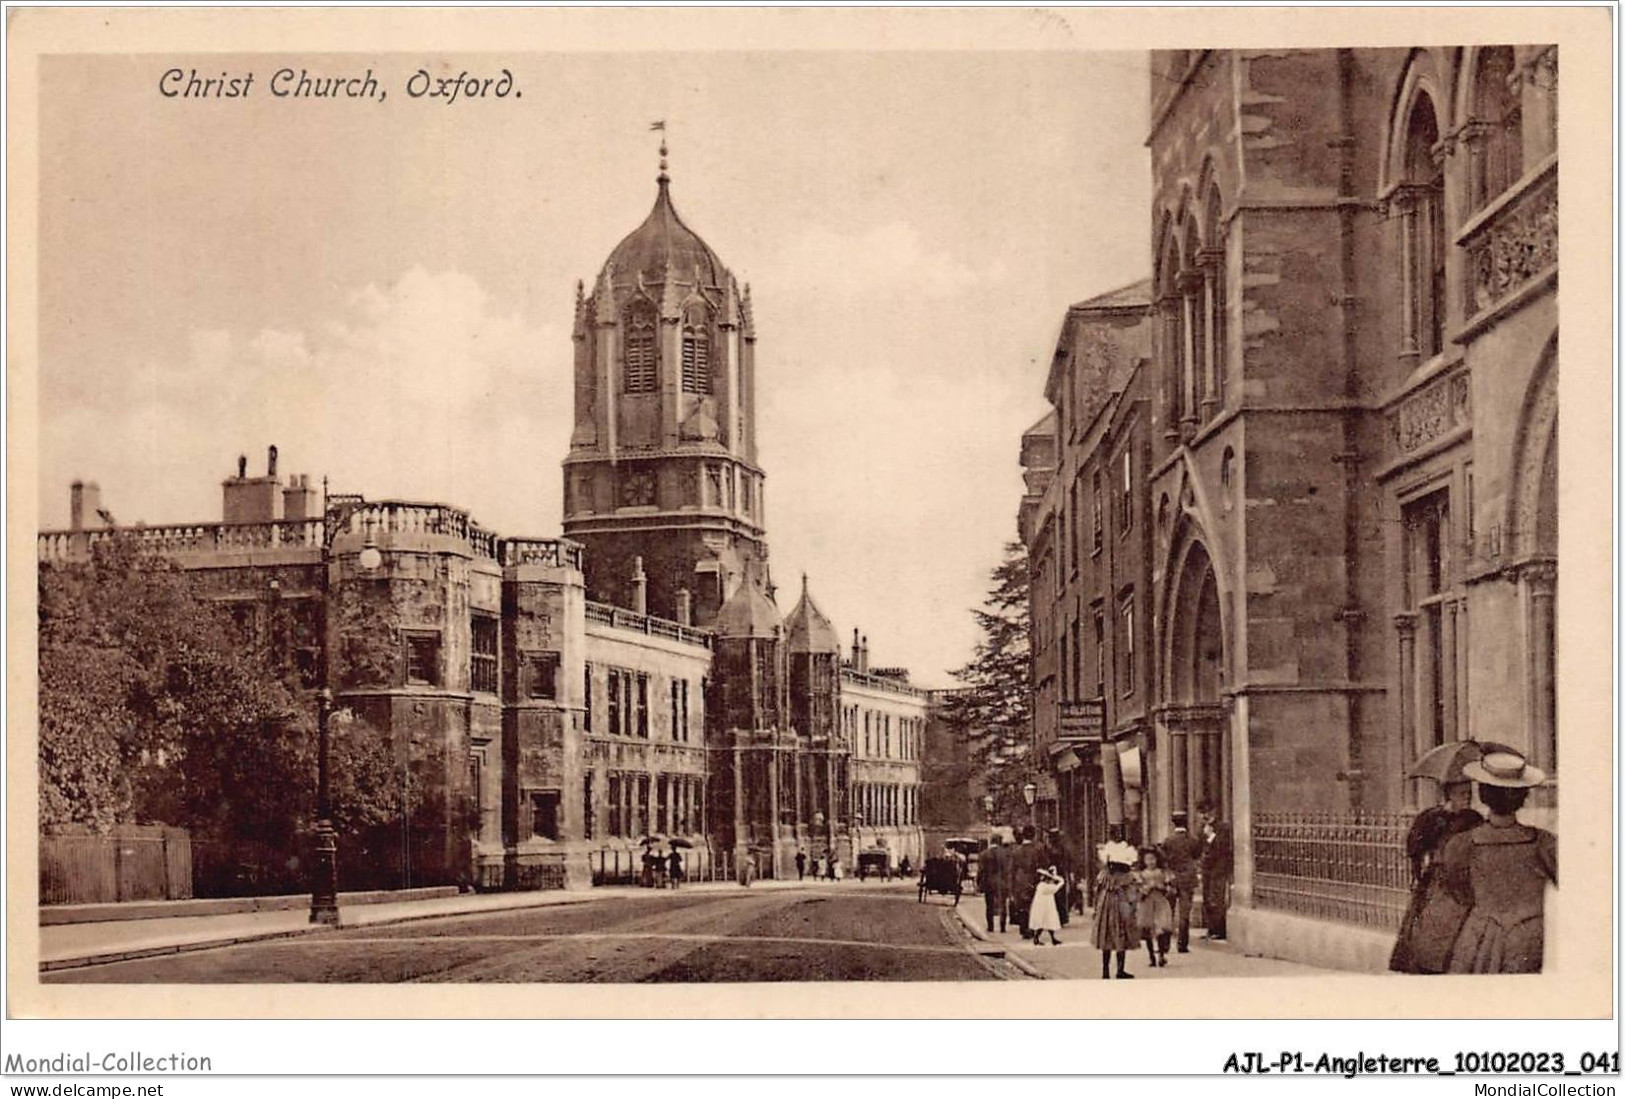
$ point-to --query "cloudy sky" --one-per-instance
(384, 289)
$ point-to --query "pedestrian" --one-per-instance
(674, 866)
(993, 879)
(904, 869)
(1061, 854)
(801, 865)
(1501, 870)
(1024, 866)
(1046, 913)
(1434, 917)
(1181, 853)
(835, 871)
(1116, 923)
(1217, 862)
(817, 867)
(1155, 908)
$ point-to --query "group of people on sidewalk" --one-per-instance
(1146, 896)
(1478, 901)
(1142, 896)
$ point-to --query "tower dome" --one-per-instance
(807, 630)
(661, 244)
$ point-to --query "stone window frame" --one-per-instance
(1125, 609)
(640, 349)
(483, 663)
(421, 650)
(546, 806)
(542, 669)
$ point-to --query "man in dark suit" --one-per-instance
(1218, 861)
(1024, 863)
(993, 879)
(1181, 854)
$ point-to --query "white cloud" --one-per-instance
(421, 389)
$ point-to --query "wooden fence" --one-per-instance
(130, 863)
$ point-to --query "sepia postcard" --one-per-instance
(919, 513)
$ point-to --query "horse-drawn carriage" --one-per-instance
(940, 875)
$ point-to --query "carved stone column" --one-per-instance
(1404, 202)
(1405, 632)
(1211, 261)
(1538, 581)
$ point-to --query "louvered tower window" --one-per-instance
(696, 352)
(639, 366)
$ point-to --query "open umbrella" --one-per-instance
(679, 841)
(650, 841)
(1444, 763)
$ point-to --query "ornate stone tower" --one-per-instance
(662, 461)
(814, 651)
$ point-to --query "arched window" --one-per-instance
(1171, 329)
(696, 351)
(1194, 297)
(1217, 304)
(1495, 132)
(638, 358)
(1420, 200)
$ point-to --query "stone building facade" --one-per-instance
(561, 699)
(1350, 393)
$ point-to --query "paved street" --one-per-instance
(847, 933)
(1077, 959)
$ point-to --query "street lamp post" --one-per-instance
(1029, 794)
(337, 511)
(987, 810)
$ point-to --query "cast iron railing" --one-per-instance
(1349, 867)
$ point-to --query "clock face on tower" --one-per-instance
(638, 490)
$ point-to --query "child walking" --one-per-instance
(1156, 913)
(1117, 929)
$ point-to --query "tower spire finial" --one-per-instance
(660, 124)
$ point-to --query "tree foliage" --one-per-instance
(993, 711)
(157, 707)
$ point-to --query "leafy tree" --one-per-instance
(994, 709)
(155, 705)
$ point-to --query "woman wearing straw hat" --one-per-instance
(1501, 869)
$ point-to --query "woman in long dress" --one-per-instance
(1117, 929)
(1501, 870)
(1434, 917)
(1154, 911)
(1045, 914)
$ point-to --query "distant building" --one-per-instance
(634, 678)
(1339, 547)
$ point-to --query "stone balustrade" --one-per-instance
(606, 615)
(878, 682)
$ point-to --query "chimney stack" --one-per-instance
(685, 607)
(854, 649)
(640, 587)
(84, 504)
(270, 461)
(863, 656)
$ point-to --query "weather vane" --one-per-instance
(660, 124)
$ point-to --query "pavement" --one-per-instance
(1077, 959)
(66, 946)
